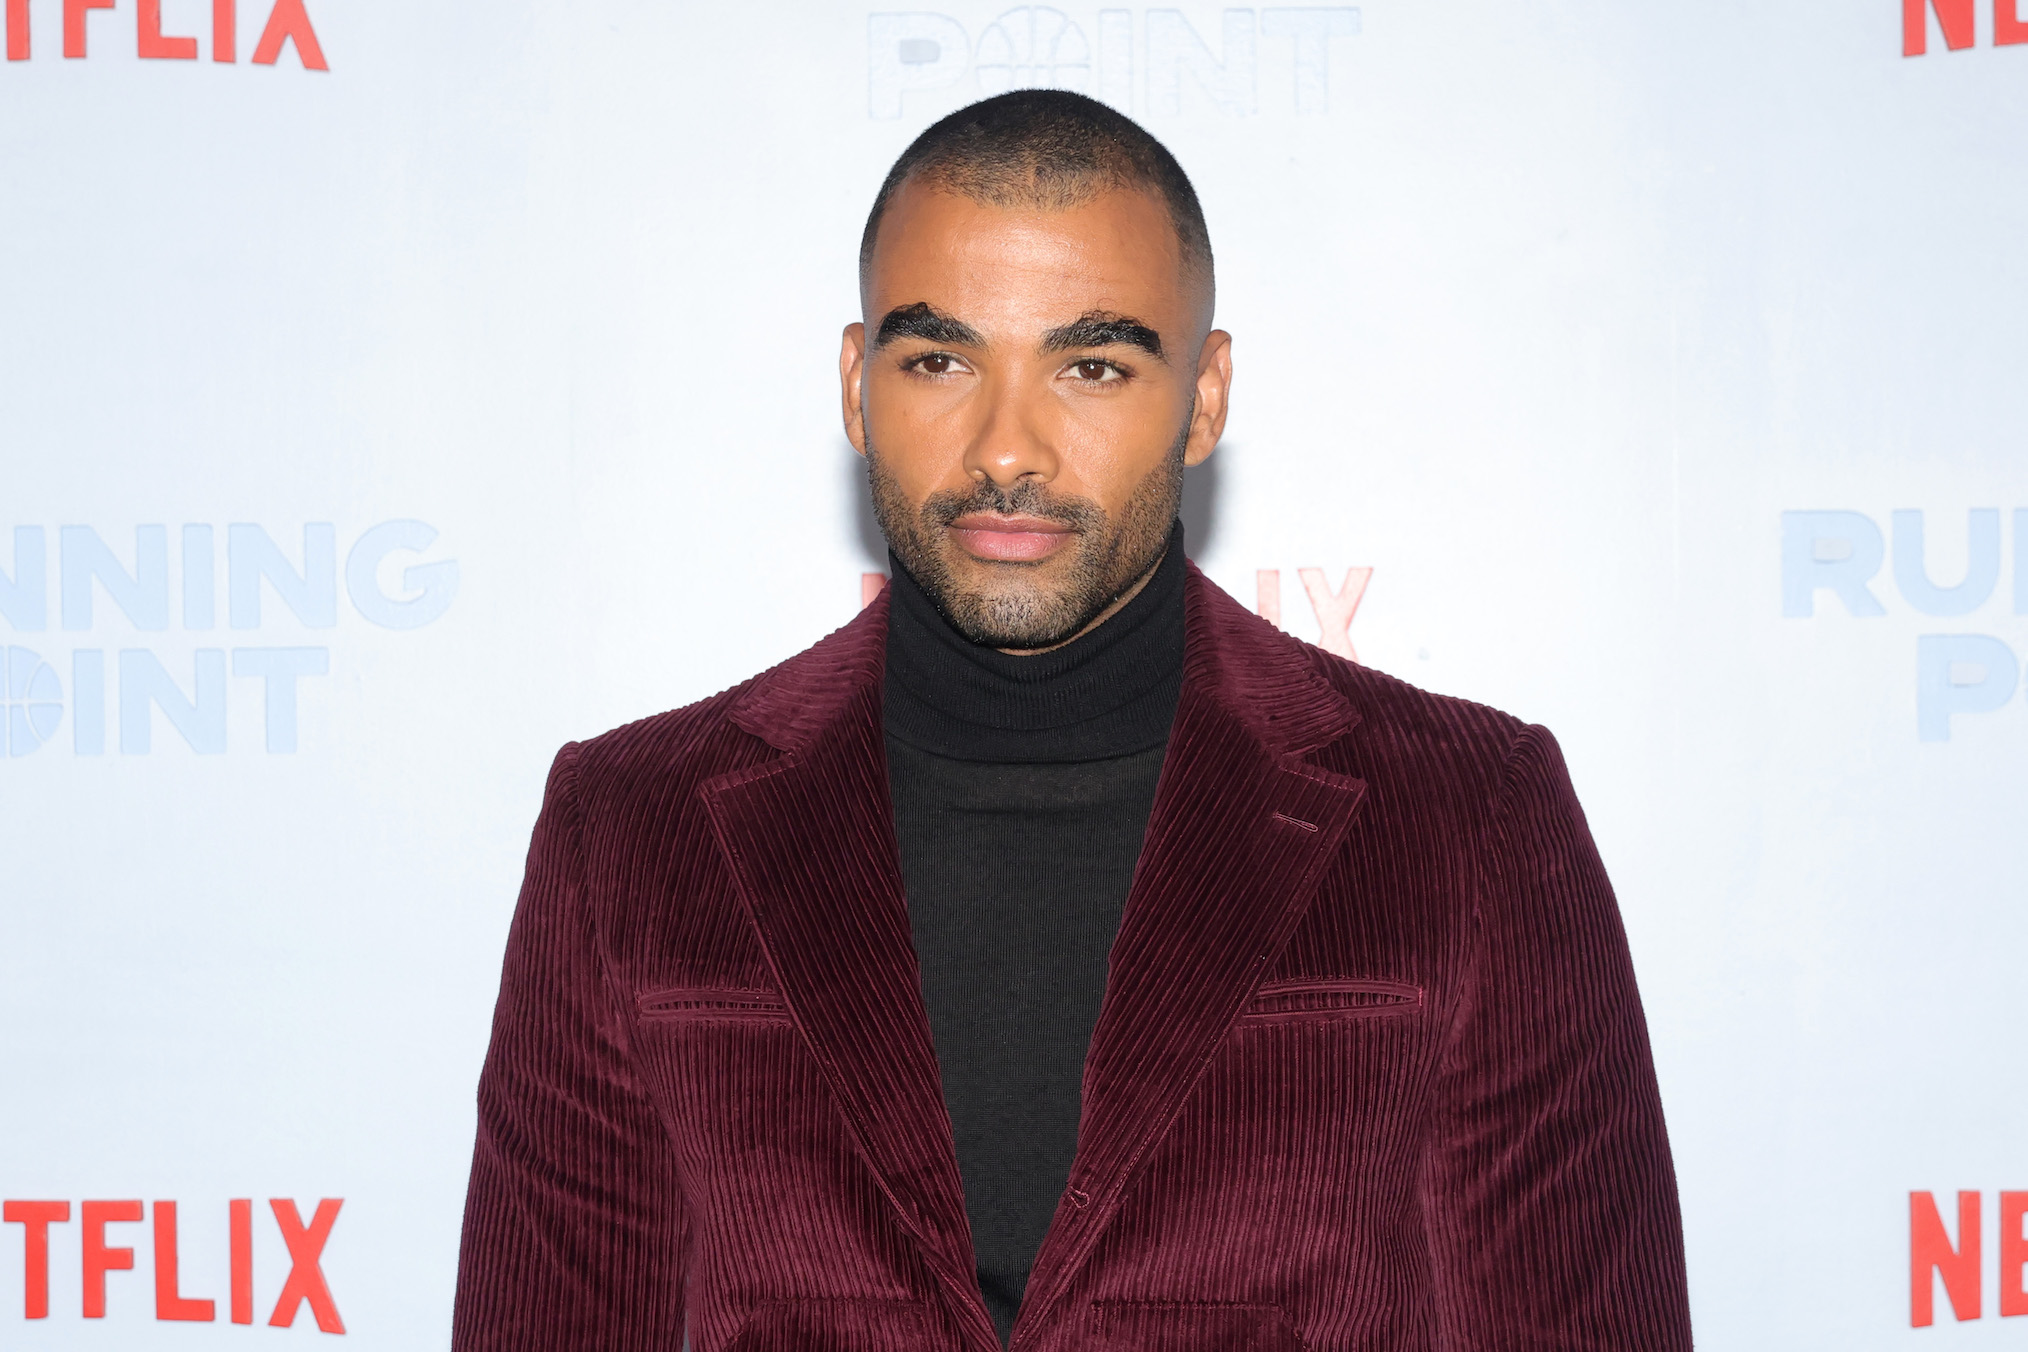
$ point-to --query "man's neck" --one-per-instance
(1110, 691)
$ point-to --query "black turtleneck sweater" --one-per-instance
(1022, 788)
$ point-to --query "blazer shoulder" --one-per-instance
(672, 753)
(1410, 729)
(683, 744)
(1372, 724)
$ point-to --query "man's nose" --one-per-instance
(1009, 445)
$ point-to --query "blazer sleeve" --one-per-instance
(1549, 1191)
(573, 1236)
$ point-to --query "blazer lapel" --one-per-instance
(809, 837)
(1242, 829)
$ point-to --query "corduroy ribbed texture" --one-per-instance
(1370, 1071)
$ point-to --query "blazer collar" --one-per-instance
(809, 837)
(792, 705)
(1241, 831)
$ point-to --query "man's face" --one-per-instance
(1027, 388)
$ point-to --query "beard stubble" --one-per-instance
(1023, 607)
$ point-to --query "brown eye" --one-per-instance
(935, 364)
(1092, 370)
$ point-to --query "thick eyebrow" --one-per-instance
(925, 321)
(1100, 329)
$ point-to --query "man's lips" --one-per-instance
(1009, 539)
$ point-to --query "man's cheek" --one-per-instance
(932, 427)
(917, 455)
(1105, 461)
(1128, 423)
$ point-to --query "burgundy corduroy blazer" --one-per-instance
(1371, 1070)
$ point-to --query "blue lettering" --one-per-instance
(143, 595)
(1982, 564)
(200, 719)
(1960, 674)
(88, 701)
(1835, 550)
(33, 697)
(278, 669)
(24, 598)
(430, 586)
(312, 594)
(200, 579)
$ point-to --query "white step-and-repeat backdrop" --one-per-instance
(390, 393)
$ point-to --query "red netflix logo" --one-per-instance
(1334, 607)
(1933, 1257)
(1959, 21)
(288, 22)
(101, 1255)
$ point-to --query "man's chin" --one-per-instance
(1020, 618)
(1003, 581)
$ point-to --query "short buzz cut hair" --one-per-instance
(1045, 148)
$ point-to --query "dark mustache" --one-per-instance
(1026, 498)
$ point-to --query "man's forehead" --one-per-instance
(1123, 237)
(1030, 268)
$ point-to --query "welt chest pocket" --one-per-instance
(1331, 1000)
(711, 1004)
(842, 1326)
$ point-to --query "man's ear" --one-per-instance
(1214, 390)
(851, 366)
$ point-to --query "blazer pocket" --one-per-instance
(1184, 1326)
(840, 1326)
(1314, 999)
(711, 1004)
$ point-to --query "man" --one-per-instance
(1058, 950)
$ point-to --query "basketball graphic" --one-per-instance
(1033, 47)
(32, 697)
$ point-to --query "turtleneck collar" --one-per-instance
(1111, 692)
